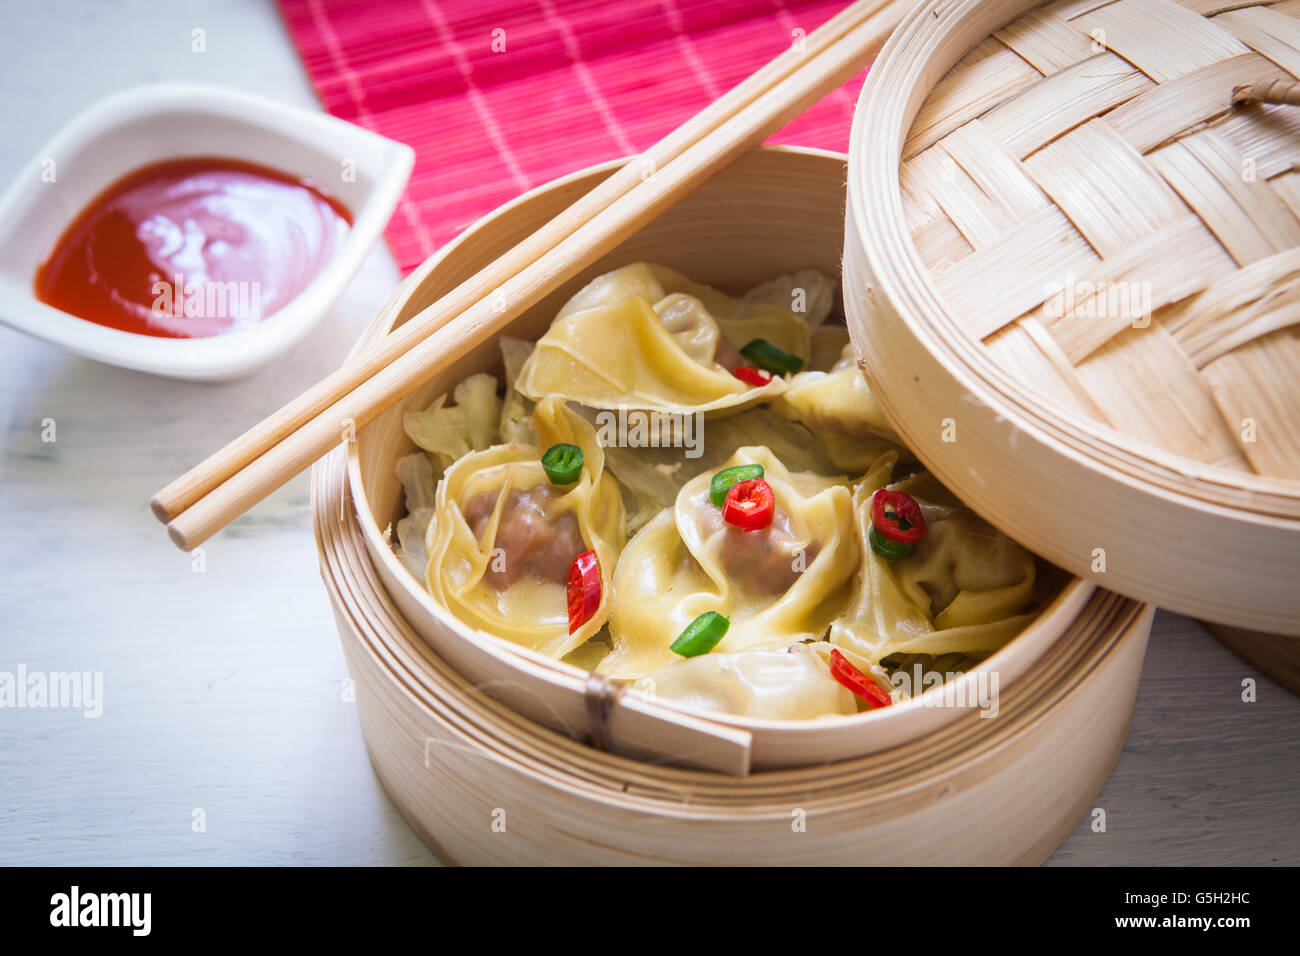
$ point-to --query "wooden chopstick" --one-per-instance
(214, 493)
(203, 478)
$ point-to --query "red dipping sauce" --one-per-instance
(192, 247)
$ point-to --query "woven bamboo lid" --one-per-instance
(1067, 244)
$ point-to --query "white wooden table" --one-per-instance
(223, 688)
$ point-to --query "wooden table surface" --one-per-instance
(223, 688)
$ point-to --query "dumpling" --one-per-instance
(809, 293)
(838, 407)
(646, 337)
(966, 588)
(782, 682)
(967, 571)
(503, 537)
(651, 477)
(783, 583)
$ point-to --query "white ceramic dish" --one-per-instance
(164, 121)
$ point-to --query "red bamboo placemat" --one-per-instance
(498, 97)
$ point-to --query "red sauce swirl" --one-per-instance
(190, 248)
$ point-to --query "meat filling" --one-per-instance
(767, 561)
(728, 356)
(684, 318)
(531, 540)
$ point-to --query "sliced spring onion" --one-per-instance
(889, 550)
(701, 635)
(562, 464)
(724, 479)
(771, 358)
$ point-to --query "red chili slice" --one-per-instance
(862, 685)
(897, 516)
(584, 589)
(752, 376)
(749, 505)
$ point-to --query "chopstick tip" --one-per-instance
(178, 538)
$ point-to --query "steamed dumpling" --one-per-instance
(782, 583)
(837, 406)
(647, 337)
(651, 477)
(967, 588)
(503, 537)
(775, 683)
(809, 293)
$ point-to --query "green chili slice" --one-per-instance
(771, 358)
(701, 635)
(889, 550)
(734, 475)
(563, 464)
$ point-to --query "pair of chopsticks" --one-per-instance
(217, 491)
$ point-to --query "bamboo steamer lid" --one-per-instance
(1072, 270)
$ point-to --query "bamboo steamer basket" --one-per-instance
(1015, 171)
(777, 210)
(484, 746)
(482, 784)
(1277, 655)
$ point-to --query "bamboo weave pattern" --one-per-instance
(1093, 208)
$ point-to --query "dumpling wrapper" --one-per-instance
(530, 611)
(774, 683)
(646, 337)
(651, 477)
(838, 407)
(967, 588)
(808, 293)
(782, 584)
